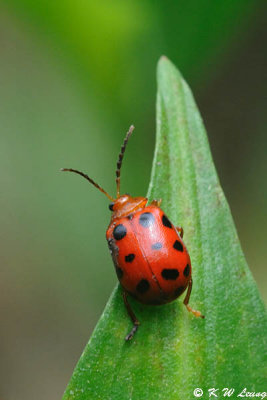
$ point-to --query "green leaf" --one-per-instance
(173, 352)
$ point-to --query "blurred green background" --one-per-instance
(73, 77)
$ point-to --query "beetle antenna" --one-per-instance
(119, 162)
(90, 180)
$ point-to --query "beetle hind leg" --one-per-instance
(132, 316)
(186, 301)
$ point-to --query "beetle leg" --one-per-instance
(186, 301)
(180, 231)
(131, 315)
(156, 203)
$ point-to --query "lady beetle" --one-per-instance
(149, 255)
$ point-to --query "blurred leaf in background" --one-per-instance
(74, 76)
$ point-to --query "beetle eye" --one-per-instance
(111, 206)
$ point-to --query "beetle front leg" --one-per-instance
(156, 203)
(186, 301)
(131, 315)
(180, 231)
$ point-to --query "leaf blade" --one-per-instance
(183, 352)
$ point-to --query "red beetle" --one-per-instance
(150, 258)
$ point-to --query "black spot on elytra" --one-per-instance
(187, 271)
(156, 246)
(119, 272)
(170, 274)
(142, 286)
(146, 219)
(129, 257)
(166, 221)
(130, 216)
(178, 245)
(179, 291)
(119, 232)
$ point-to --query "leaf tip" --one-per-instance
(162, 60)
(166, 68)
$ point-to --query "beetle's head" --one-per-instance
(126, 205)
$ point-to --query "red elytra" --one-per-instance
(149, 255)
